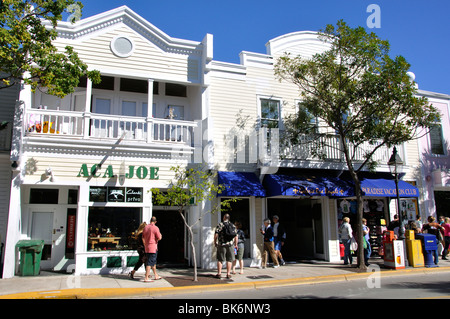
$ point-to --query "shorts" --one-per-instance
(151, 259)
(225, 253)
(277, 243)
(240, 252)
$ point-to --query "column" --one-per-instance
(150, 111)
(87, 109)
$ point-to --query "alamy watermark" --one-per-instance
(374, 19)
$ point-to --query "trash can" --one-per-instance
(430, 246)
(30, 257)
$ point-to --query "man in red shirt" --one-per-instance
(151, 237)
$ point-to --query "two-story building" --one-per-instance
(83, 166)
(435, 159)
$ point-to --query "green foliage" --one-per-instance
(364, 97)
(357, 90)
(189, 186)
(27, 52)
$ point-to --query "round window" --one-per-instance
(122, 46)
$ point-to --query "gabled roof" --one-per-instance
(85, 27)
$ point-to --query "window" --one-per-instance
(102, 106)
(436, 140)
(306, 116)
(270, 113)
(134, 85)
(122, 46)
(44, 196)
(112, 228)
(176, 90)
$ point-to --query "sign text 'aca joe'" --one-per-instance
(141, 172)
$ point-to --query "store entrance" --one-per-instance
(171, 247)
(302, 220)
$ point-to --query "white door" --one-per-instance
(42, 229)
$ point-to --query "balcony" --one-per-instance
(60, 124)
(324, 152)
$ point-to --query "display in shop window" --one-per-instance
(112, 228)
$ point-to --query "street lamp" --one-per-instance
(395, 166)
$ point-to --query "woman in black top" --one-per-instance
(240, 249)
(140, 249)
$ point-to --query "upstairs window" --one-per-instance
(270, 113)
(436, 140)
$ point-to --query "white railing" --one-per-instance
(329, 148)
(104, 126)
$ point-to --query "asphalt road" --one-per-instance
(417, 286)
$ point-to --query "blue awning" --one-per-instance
(241, 184)
(294, 185)
(386, 188)
(291, 185)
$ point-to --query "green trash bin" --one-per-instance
(30, 257)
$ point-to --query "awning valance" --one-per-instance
(291, 185)
(241, 184)
(386, 188)
(294, 185)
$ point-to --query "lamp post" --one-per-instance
(395, 166)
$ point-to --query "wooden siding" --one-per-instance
(147, 60)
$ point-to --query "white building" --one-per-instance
(85, 164)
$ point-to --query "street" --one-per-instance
(427, 286)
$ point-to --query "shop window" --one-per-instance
(112, 228)
(103, 194)
(44, 196)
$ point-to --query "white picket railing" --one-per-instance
(104, 126)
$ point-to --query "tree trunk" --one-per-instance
(359, 200)
(191, 243)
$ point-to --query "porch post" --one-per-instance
(150, 111)
(87, 109)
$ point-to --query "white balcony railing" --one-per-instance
(101, 126)
(326, 148)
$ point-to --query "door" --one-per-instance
(318, 234)
(171, 248)
(42, 229)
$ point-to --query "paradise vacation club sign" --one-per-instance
(141, 172)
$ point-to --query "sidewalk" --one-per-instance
(50, 285)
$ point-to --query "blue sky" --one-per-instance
(417, 29)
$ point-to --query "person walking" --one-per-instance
(367, 247)
(239, 254)
(346, 235)
(446, 226)
(225, 240)
(140, 249)
(269, 247)
(279, 235)
(151, 237)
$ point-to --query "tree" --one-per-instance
(364, 97)
(188, 186)
(26, 50)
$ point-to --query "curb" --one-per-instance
(100, 293)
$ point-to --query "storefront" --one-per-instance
(87, 214)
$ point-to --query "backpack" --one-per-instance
(228, 231)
